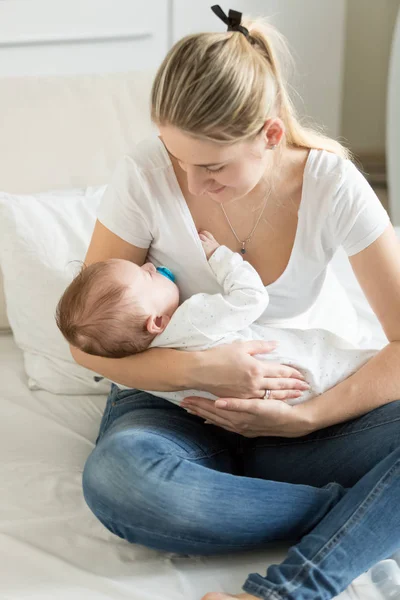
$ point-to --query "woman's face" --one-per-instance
(223, 173)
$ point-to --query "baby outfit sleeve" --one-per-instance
(242, 302)
(125, 208)
(357, 216)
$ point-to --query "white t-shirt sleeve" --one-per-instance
(125, 208)
(357, 216)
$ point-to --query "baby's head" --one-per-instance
(115, 308)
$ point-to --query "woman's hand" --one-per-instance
(231, 370)
(252, 418)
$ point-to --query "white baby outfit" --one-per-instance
(239, 314)
(143, 204)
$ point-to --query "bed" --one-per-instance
(67, 133)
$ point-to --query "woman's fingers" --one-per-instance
(211, 416)
(261, 347)
(278, 370)
(284, 371)
(277, 383)
(244, 406)
(294, 372)
(250, 418)
(284, 394)
(206, 409)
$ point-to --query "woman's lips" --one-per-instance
(217, 191)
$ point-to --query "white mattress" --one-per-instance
(52, 546)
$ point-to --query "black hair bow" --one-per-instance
(232, 20)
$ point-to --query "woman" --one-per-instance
(233, 159)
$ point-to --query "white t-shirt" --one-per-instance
(144, 205)
(238, 314)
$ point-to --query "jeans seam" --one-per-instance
(186, 457)
(257, 589)
(331, 437)
(363, 508)
(186, 539)
(335, 540)
(105, 425)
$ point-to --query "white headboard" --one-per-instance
(68, 132)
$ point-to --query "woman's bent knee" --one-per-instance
(128, 482)
(114, 477)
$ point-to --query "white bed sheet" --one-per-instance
(52, 546)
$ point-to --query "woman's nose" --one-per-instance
(197, 182)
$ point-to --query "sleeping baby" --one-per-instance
(116, 308)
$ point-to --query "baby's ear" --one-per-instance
(157, 324)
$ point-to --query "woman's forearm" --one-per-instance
(163, 370)
(376, 383)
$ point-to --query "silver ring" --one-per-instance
(267, 394)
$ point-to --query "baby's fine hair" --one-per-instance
(222, 87)
(96, 314)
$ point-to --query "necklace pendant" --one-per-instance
(242, 249)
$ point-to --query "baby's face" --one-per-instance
(157, 294)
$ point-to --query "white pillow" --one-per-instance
(39, 235)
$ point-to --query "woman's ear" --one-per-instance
(157, 325)
(275, 130)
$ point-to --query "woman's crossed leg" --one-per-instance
(160, 478)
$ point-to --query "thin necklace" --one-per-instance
(244, 242)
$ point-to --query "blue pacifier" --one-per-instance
(166, 272)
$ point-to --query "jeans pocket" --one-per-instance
(132, 399)
(122, 396)
(122, 401)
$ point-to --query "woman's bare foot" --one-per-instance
(222, 596)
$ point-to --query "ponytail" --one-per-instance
(222, 87)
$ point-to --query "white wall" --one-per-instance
(43, 37)
(369, 32)
(393, 127)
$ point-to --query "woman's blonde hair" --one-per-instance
(222, 87)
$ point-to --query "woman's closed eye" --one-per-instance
(214, 170)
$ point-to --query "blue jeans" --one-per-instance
(161, 478)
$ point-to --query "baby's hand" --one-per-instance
(208, 242)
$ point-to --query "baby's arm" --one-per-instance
(244, 296)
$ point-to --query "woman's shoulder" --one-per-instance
(148, 154)
(143, 172)
(354, 214)
(332, 179)
(135, 179)
(325, 165)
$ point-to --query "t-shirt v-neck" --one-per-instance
(292, 259)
